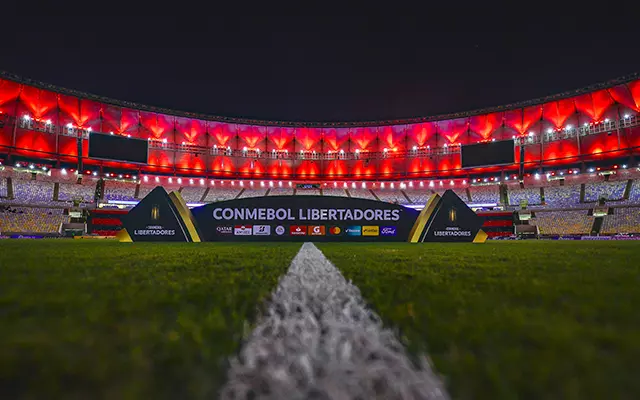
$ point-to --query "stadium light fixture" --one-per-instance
(164, 140)
(537, 176)
(26, 117)
(585, 124)
(261, 184)
(561, 173)
(44, 168)
(410, 183)
(69, 125)
(290, 184)
(191, 181)
(270, 183)
(464, 182)
(441, 183)
(506, 178)
(179, 180)
(241, 183)
(120, 176)
(624, 166)
(392, 185)
(486, 180)
(335, 184)
(157, 179)
(111, 133)
(606, 120)
(63, 171)
(279, 183)
(170, 180)
(201, 181)
(451, 183)
(421, 184)
(95, 173)
(89, 129)
(569, 127)
(626, 116)
(48, 122)
(431, 184)
(381, 185)
(493, 140)
(364, 185)
(146, 179)
(32, 166)
(251, 183)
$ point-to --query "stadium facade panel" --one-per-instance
(39, 121)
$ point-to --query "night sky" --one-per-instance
(323, 68)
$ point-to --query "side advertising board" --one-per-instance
(164, 217)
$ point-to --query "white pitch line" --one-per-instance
(318, 340)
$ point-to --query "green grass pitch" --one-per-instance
(87, 319)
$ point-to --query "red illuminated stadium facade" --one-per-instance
(598, 124)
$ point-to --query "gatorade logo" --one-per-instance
(317, 230)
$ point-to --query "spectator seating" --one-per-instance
(391, 196)
(609, 190)
(281, 191)
(193, 194)
(484, 194)
(72, 191)
(334, 192)
(116, 190)
(31, 220)
(573, 222)
(361, 193)
(221, 194)
(32, 192)
(3, 186)
(532, 195)
(421, 196)
(624, 220)
(307, 192)
(253, 192)
(562, 196)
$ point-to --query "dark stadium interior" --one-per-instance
(463, 188)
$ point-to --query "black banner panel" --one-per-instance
(118, 148)
(165, 217)
(488, 154)
(304, 218)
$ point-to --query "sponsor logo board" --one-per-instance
(280, 230)
(335, 230)
(353, 231)
(261, 230)
(297, 230)
(388, 231)
(242, 230)
(224, 230)
(317, 230)
(370, 231)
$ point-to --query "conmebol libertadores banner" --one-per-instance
(165, 217)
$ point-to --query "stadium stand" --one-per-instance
(116, 190)
(531, 195)
(193, 194)
(420, 196)
(253, 192)
(74, 191)
(31, 220)
(571, 222)
(562, 196)
(334, 192)
(485, 194)
(391, 196)
(607, 190)
(32, 192)
(361, 193)
(221, 194)
(307, 192)
(3, 187)
(281, 191)
(624, 220)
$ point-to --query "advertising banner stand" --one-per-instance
(161, 216)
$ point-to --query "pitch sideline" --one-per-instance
(317, 339)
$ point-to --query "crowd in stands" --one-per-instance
(308, 192)
(623, 220)
(31, 220)
(32, 192)
(571, 222)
